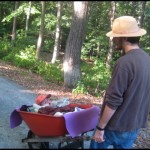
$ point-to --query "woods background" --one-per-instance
(65, 41)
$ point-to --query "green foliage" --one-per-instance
(147, 11)
(80, 88)
(96, 29)
(25, 58)
(94, 80)
(23, 40)
(22, 58)
(5, 47)
(21, 9)
(50, 72)
(50, 22)
(102, 75)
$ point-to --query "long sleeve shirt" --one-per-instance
(129, 92)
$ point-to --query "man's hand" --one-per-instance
(99, 136)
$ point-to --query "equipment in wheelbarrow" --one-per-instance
(71, 126)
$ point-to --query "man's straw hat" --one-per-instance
(125, 26)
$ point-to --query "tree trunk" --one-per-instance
(14, 24)
(142, 14)
(72, 70)
(127, 6)
(41, 32)
(110, 50)
(134, 8)
(57, 35)
(28, 16)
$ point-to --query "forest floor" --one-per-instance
(38, 85)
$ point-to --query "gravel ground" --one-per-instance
(12, 95)
(37, 85)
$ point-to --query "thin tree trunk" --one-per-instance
(28, 16)
(57, 35)
(127, 6)
(41, 32)
(142, 14)
(134, 8)
(72, 70)
(14, 24)
(110, 50)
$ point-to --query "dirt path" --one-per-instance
(12, 95)
(39, 86)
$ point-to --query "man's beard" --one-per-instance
(118, 47)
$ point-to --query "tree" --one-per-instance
(14, 24)
(134, 8)
(28, 16)
(41, 32)
(110, 50)
(57, 35)
(71, 64)
(142, 13)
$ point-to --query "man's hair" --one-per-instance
(133, 40)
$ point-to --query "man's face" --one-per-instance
(117, 41)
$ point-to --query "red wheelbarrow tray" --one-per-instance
(72, 123)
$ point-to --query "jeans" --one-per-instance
(119, 140)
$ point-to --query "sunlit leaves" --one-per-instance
(21, 9)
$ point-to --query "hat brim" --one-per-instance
(139, 33)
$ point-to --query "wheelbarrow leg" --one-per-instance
(35, 145)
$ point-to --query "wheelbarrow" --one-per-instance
(69, 130)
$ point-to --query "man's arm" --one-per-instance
(105, 117)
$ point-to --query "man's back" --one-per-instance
(129, 91)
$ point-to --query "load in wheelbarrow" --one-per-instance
(70, 130)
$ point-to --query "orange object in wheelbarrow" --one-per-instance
(48, 125)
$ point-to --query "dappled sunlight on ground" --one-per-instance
(4, 67)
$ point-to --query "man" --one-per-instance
(126, 104)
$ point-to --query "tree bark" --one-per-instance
(71, 65)
(57, 35)
(142, 14)
(134, 8)
(14, 23)
(110, 50)
(41, 32)
(28, 16)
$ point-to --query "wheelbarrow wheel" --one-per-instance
(36, 145)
